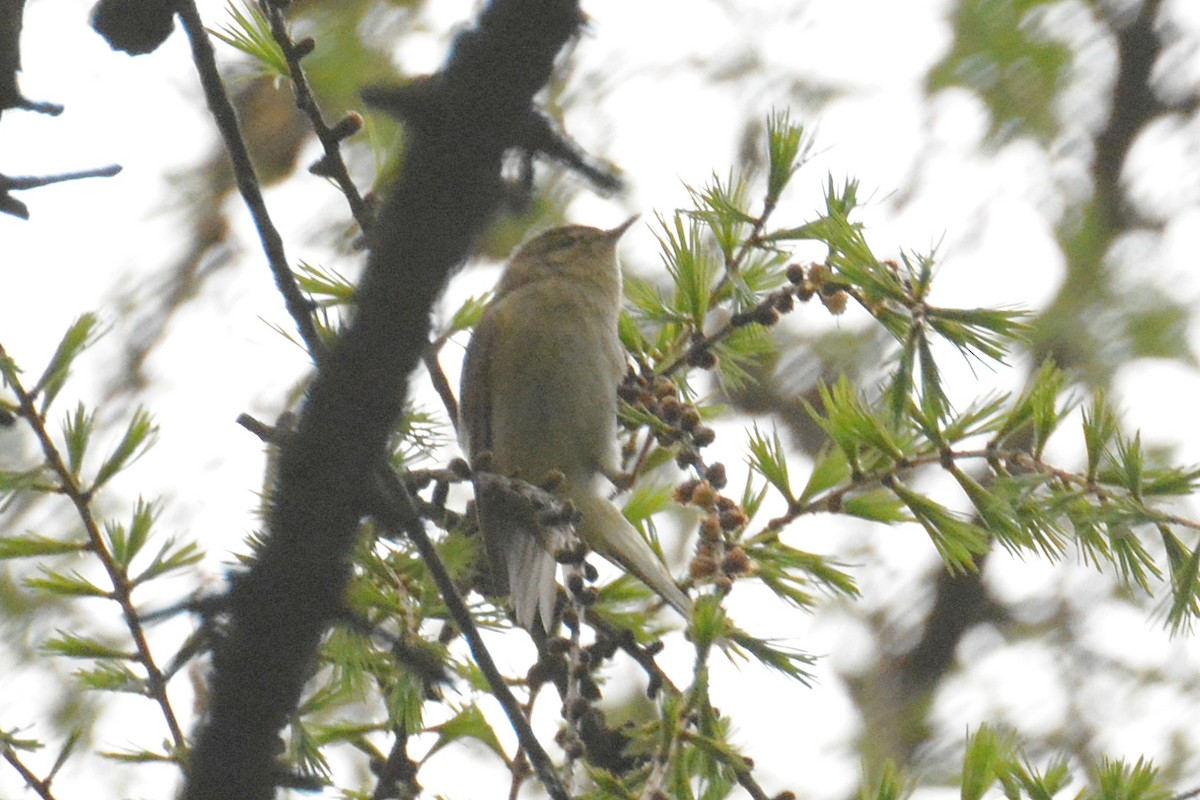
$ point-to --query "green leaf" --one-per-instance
(648, 301)
(721, 206)
(739, 353)
(717, 780)
(419, 436)
(1116, 780)
(957, 541)
(32, 546)
(111, 675)
(329, 288)
(752, 496)
(1185, 580)
(81, 335)
(311, 762)
(1134, 563)
(467, 316)
(138, 437)
(73, 738)
(646, 500)
(1170, 482)
(692, 269)
(170, 557)
(1020, 780)
(879, 505)
(791, 573)
(72, 646)
(9, 739)
(980, 332)
(891, 784)
(74, 585)
(767, 459)
(982, 762)
(997, 515)
(17, 482)
(820, 230)
(934, 402)
(1037, 410)
(980, 416)
(340, 732)
(139, 757)
(829, 470)
(126, 543)
(900, 388)
(854, 426)
(250, 32)
(77, 432)
(739, 644)
(1129, 462)
(787, 150)
(468, 723)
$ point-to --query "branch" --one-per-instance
(330, 165)
(11, 205)
(40, 787)
(398, 514)
(448, 190)
(11, 20)
(122, 587)
(298, 306)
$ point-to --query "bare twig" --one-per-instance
(399, 515)
(11, 205)
(298, 306)
(33, 182)
(331, 164)
(39, 786)
(442, 386)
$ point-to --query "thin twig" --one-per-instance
(832, 501)
(398, 514)
(36, 181)
(122, 587)
(747, 782)
(41, 787)
(627, 642)
(442, 386)
(299, 307)
(13, 206)
(331, 164)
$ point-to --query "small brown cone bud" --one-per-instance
(704, 495)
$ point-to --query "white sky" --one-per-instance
(88, 240)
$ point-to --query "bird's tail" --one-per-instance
(606, 531)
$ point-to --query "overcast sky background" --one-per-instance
(88, 241)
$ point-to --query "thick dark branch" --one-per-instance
(447, 191)
(1134, 106)
(11, 14)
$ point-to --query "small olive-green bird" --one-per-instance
(539, 392)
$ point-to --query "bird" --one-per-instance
(539, 394)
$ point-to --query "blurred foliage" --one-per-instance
(1003, 52)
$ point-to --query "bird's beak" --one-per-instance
(613, 234)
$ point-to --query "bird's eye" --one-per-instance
(566, 241)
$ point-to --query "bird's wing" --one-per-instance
(606, 531)
(521, 567)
